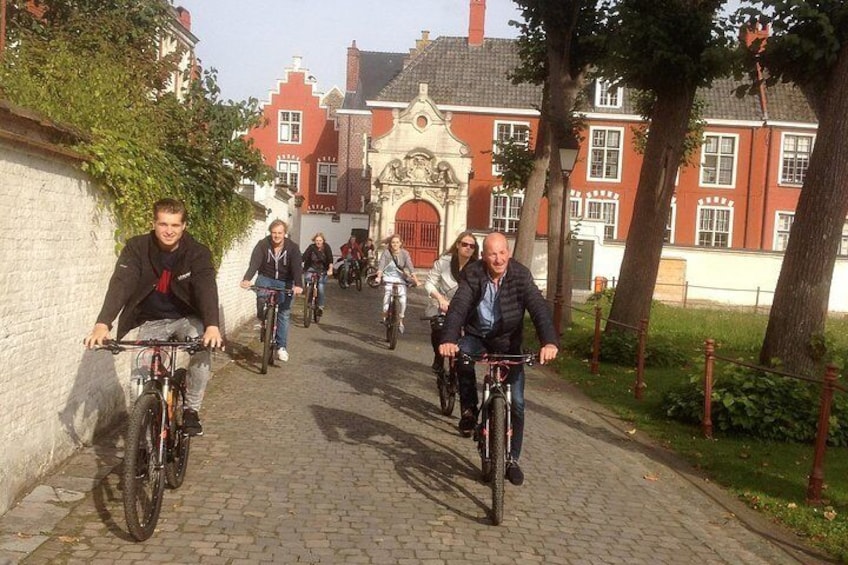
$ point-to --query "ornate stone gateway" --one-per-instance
(421, 187)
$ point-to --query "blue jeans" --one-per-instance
(473, 345)
(322, 280)
(199, 365)
(284, 304)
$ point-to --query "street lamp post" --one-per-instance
(567, 158)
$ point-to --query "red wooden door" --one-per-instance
(417, 223)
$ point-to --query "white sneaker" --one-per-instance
(282, 354)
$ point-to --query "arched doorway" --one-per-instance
(417, 223)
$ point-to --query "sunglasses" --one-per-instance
(468, 245)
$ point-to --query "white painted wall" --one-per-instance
(58, 251)
(336, 233)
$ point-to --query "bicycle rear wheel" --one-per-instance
(497, 449)
(144, 481)
(179, 443)
(307, 306)
(268, 339)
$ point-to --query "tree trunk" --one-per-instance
(525, 239)
(799, 310)
(663, 152)
(555, 202)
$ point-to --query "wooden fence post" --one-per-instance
(596, 342)
(640, 358)
(709, 362)
(814, 487)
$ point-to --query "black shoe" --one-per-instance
(191, 423)
(467, 423)
(320, 312)
(514, 474)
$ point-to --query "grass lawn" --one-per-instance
(770, 477)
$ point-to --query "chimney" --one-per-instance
(476, 23)
(752, 31)
(185, 17)
(352, 67)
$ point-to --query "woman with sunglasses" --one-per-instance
(441, 285)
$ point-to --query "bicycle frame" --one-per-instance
(272, 305)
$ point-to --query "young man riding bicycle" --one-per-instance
(164, 284)
(489, 306)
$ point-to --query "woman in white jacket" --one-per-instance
(441, 285)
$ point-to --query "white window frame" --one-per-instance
(783, 156)
(286, 127)
(781, 233)
(497, 170)
(719, 156)
(285, 169)
(843, 243)
(699, 231)
(328, 173)
(510, 211)
(671, 224)
(606, 152)
(603, 98)
(610, 229)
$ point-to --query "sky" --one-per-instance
(251, 42)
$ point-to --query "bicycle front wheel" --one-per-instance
(497, 450)
(144, 481)
(268, 339)
(393, 327)
(358, 278)
(307, 306)
(447, 394)
(176, 458)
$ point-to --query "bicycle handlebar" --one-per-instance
(500, 358)
(257, 288)
(191, 345)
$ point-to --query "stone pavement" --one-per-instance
(341, 456)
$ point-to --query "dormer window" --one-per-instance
(607, 95)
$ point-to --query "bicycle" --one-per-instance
(310, 299)
(350, 274)
(494, 433)
(371, 272)
(269, 322)
(157, 448)
(447, 382)
(393, 314)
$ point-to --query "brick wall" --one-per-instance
(58, 251)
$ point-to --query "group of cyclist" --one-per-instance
(164, 283)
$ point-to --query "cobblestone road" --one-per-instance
(341, 456)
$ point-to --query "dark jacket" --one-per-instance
(288, 269)
(138, 270)
(518, 293)
(318, 259)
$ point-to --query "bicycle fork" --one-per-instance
(485, 440)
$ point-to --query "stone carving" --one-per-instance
(418, 168)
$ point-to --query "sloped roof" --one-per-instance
(462, 75)
(376, 69)
(786, 103)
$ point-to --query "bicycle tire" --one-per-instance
(179, 443)
(268, 339)
(343, 282)
(447, 395)
(307, 305)
(143, 480)
(497, 449)
(358, 280)
(393, 329)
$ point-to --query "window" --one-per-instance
(575, 211)
(606, 210)
(518, 132)
(327, 173)
(714, 226)
(782, 225)
(669, 224)
(843, 243)
(795, 158)
(288, 173)
(718, 160)
(288, 126)
(506, 211)
(606, 95)
(605, 154)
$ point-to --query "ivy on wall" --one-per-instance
(96, 65)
